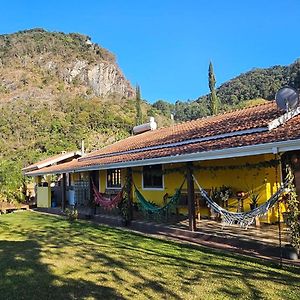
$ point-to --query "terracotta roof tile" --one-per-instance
(244, 119)
(253, 117)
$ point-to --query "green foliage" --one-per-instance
(138, 100)
(38, 41)
(33, 130)
(11, 181)
(213, 99)
(293, 213)
(250, 88)
(71, 214)
(182, 111)
(125, 205)
(258, 83)
(165, 107)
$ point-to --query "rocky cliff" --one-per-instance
(40, 64)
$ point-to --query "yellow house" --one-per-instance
(242, 151)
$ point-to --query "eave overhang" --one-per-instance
(259, 149)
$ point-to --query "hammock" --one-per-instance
(104, 202)
(244, 219)
(151, 209)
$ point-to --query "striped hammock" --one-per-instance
(244, 219)
(104, 202)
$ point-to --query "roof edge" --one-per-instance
(48, 162)
(267, 148)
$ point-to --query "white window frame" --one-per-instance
(154, 189)
(113, 188)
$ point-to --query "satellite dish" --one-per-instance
(287, 98)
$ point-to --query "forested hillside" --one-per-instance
(255, 84)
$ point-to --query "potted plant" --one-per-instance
(220, 196)
(254, 201)
(225, 192)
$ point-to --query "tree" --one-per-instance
(138, 100)
(165, 107)
(213, 99)
(294, 74)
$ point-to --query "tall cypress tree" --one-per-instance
(138, 100)
(213, 99)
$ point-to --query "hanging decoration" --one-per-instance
(164, 171)
(260, 165)
(104, 202)
(244, 219)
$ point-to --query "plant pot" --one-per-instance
(290, 252)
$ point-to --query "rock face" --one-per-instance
(103, 78)
(41, 64)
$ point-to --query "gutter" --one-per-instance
(268, 148)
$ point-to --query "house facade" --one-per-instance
(243, 150)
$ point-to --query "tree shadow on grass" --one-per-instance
(111, 254)
(23, 276)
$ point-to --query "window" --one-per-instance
(113, 178)
(153, 177)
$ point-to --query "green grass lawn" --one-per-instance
(46, 257)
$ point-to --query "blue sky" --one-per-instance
(165, 46)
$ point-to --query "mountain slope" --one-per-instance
(246, 89)
(40, 64)
(258, 83)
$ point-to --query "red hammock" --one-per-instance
(107, 203)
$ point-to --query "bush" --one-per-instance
(72, 214)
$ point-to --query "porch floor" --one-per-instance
(266, 233)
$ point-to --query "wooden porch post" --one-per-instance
(129, 192)
(63, 191)
(191, 197)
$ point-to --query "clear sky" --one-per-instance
(165, 45)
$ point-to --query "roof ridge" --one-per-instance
(233, 110)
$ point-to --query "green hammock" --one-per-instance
(151, 209)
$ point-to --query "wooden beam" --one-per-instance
(191, 197)
(63, 191)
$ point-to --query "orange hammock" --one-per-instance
(104, 202)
